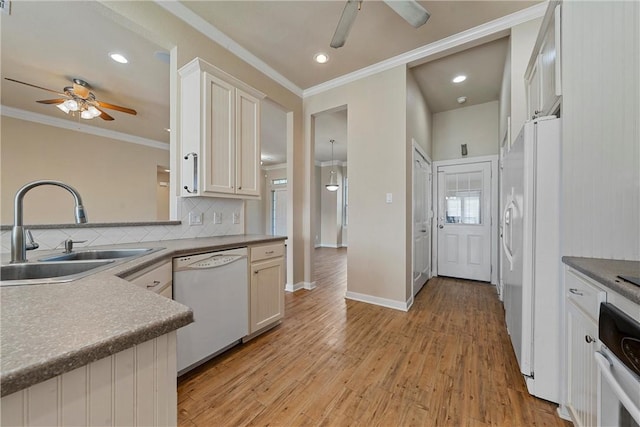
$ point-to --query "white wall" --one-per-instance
(505, 96)
(379, 267)
(476, 126)
(331, 206)
(419, 123)
(601, 129)
(523, 37)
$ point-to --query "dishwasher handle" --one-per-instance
(212, 262)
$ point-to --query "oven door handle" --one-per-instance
(605, 369)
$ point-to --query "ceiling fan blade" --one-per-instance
(410, 10)
(37, 87)
(52, 101)
(80, 90)
(346, 22)
(105, 116)
(116, 107)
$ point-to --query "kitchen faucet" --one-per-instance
(18, 246)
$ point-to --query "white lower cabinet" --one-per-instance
(267, 286)
(136, 386)
(582, 399)
(157, 278)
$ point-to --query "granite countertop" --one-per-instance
(605, 272)
(47, 330)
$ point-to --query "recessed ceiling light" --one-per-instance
(459, 79)
(462, 100)
(118, 57)
(321, 58)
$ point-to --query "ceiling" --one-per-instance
(37, 49)
(287, 34)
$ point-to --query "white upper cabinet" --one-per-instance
(219, 133)
(543, 78)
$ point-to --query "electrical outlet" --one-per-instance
(195, 218)
(217, 218)
(236, 217)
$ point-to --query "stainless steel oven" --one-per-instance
(619, 368)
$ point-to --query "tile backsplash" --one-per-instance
(52, 238)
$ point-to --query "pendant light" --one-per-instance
(333, 183)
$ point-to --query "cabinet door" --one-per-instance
(267, 293)
(582, 371)
(533, 91)
(247, 144)
(548, 79)
(219, 137)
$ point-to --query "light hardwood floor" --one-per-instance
(336, 362)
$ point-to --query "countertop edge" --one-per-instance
(603, 271)
(23, 378)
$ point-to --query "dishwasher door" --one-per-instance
(215, 287)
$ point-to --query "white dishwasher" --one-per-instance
(214, 285)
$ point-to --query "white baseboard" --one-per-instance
(383, 302)
(322, 245)
(300, 285)
(317, 246)
(292, 288)
(344, 246)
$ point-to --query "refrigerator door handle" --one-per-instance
(507, 221)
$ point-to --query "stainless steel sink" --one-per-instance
(29, 273)
(99, 254)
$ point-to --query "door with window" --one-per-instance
(464, 221)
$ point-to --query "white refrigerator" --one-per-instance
(531, 260)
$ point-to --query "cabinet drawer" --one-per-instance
(155, 279)
(259, 253)
(583, 294)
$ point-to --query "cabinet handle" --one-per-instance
(575, 291)
(268, 252)
(240, 188)
(589, 339)
(195, 173)
(255, 271)
(154, 284)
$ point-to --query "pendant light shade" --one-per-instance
(333, 182)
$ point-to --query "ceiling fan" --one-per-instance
(409, 10)
(79, 98)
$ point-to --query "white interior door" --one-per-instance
(464, 221)
(422, 216)
(279, 212)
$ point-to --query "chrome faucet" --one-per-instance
(18, 245)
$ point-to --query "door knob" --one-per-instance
(441, 226)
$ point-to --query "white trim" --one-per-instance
(187, 15)
(383, 302)
(309, 285)
(292, 288)
(323, 245)
(43, 119)
(273, 167)
(331, 163)
(475, 33)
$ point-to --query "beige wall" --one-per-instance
(162, 195)
(169, 31)
(379, 265)
(33, 151)
(523, 37)
(317, 240)
(419, 123)
(476, 126)
(331, 206)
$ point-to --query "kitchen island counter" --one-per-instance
(606, 272)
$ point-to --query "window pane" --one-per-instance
(463, 199)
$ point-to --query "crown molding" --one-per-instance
(17, 113)
(483, 30)
(187, 15)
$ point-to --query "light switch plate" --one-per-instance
(236, 217)
(195, 218)
(389, 197)
(217, 218)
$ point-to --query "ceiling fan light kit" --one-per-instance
(410, 10)
(79, 98)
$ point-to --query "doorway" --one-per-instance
(422, 218)
(465, 198)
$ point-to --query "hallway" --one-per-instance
(448, 361)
